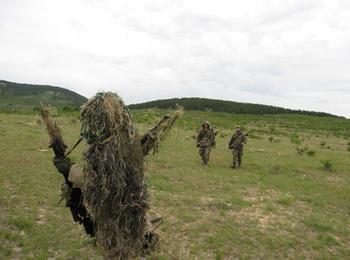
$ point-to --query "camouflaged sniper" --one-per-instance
(112, 182)
(114, 192)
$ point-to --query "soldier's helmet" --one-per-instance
(238, 128)
(205, 123)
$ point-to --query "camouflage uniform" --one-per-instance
(205, 141)
(236, 144)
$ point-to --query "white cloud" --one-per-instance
(287, 53)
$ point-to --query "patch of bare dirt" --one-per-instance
(335, 179)
(263, 219)
(253, 194)
(206, 200)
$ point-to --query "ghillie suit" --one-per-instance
(205, 141)
(236, 143)
(113, 187)
(114, 191)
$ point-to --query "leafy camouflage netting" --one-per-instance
(114, 192)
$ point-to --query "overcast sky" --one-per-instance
(293, 54)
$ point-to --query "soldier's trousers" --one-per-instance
(204, 153)
(237, 157)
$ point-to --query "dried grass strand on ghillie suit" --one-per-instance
(56, 140)
(151, 139)
(114, 192)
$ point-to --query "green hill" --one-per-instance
(17, 96)
(204, 104)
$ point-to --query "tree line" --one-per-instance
(205, 104)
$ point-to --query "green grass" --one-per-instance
(278, 205)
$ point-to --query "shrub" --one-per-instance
(327, 165)
(310, 153)
(302, 149)
(323, 144)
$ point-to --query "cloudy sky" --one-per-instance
(288, 53)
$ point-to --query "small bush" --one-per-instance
(302, 149)
(310, 153)
(323, 144)
(327, 165)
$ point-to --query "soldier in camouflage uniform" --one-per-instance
(205, 141)
(236, 144)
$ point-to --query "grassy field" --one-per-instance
(282, 203)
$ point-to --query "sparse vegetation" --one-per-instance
(327, 165)
(311, 153)
(294, 138)
(278, 205)
(302, 149)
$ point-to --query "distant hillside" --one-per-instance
(15, 96)
(204, 104)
